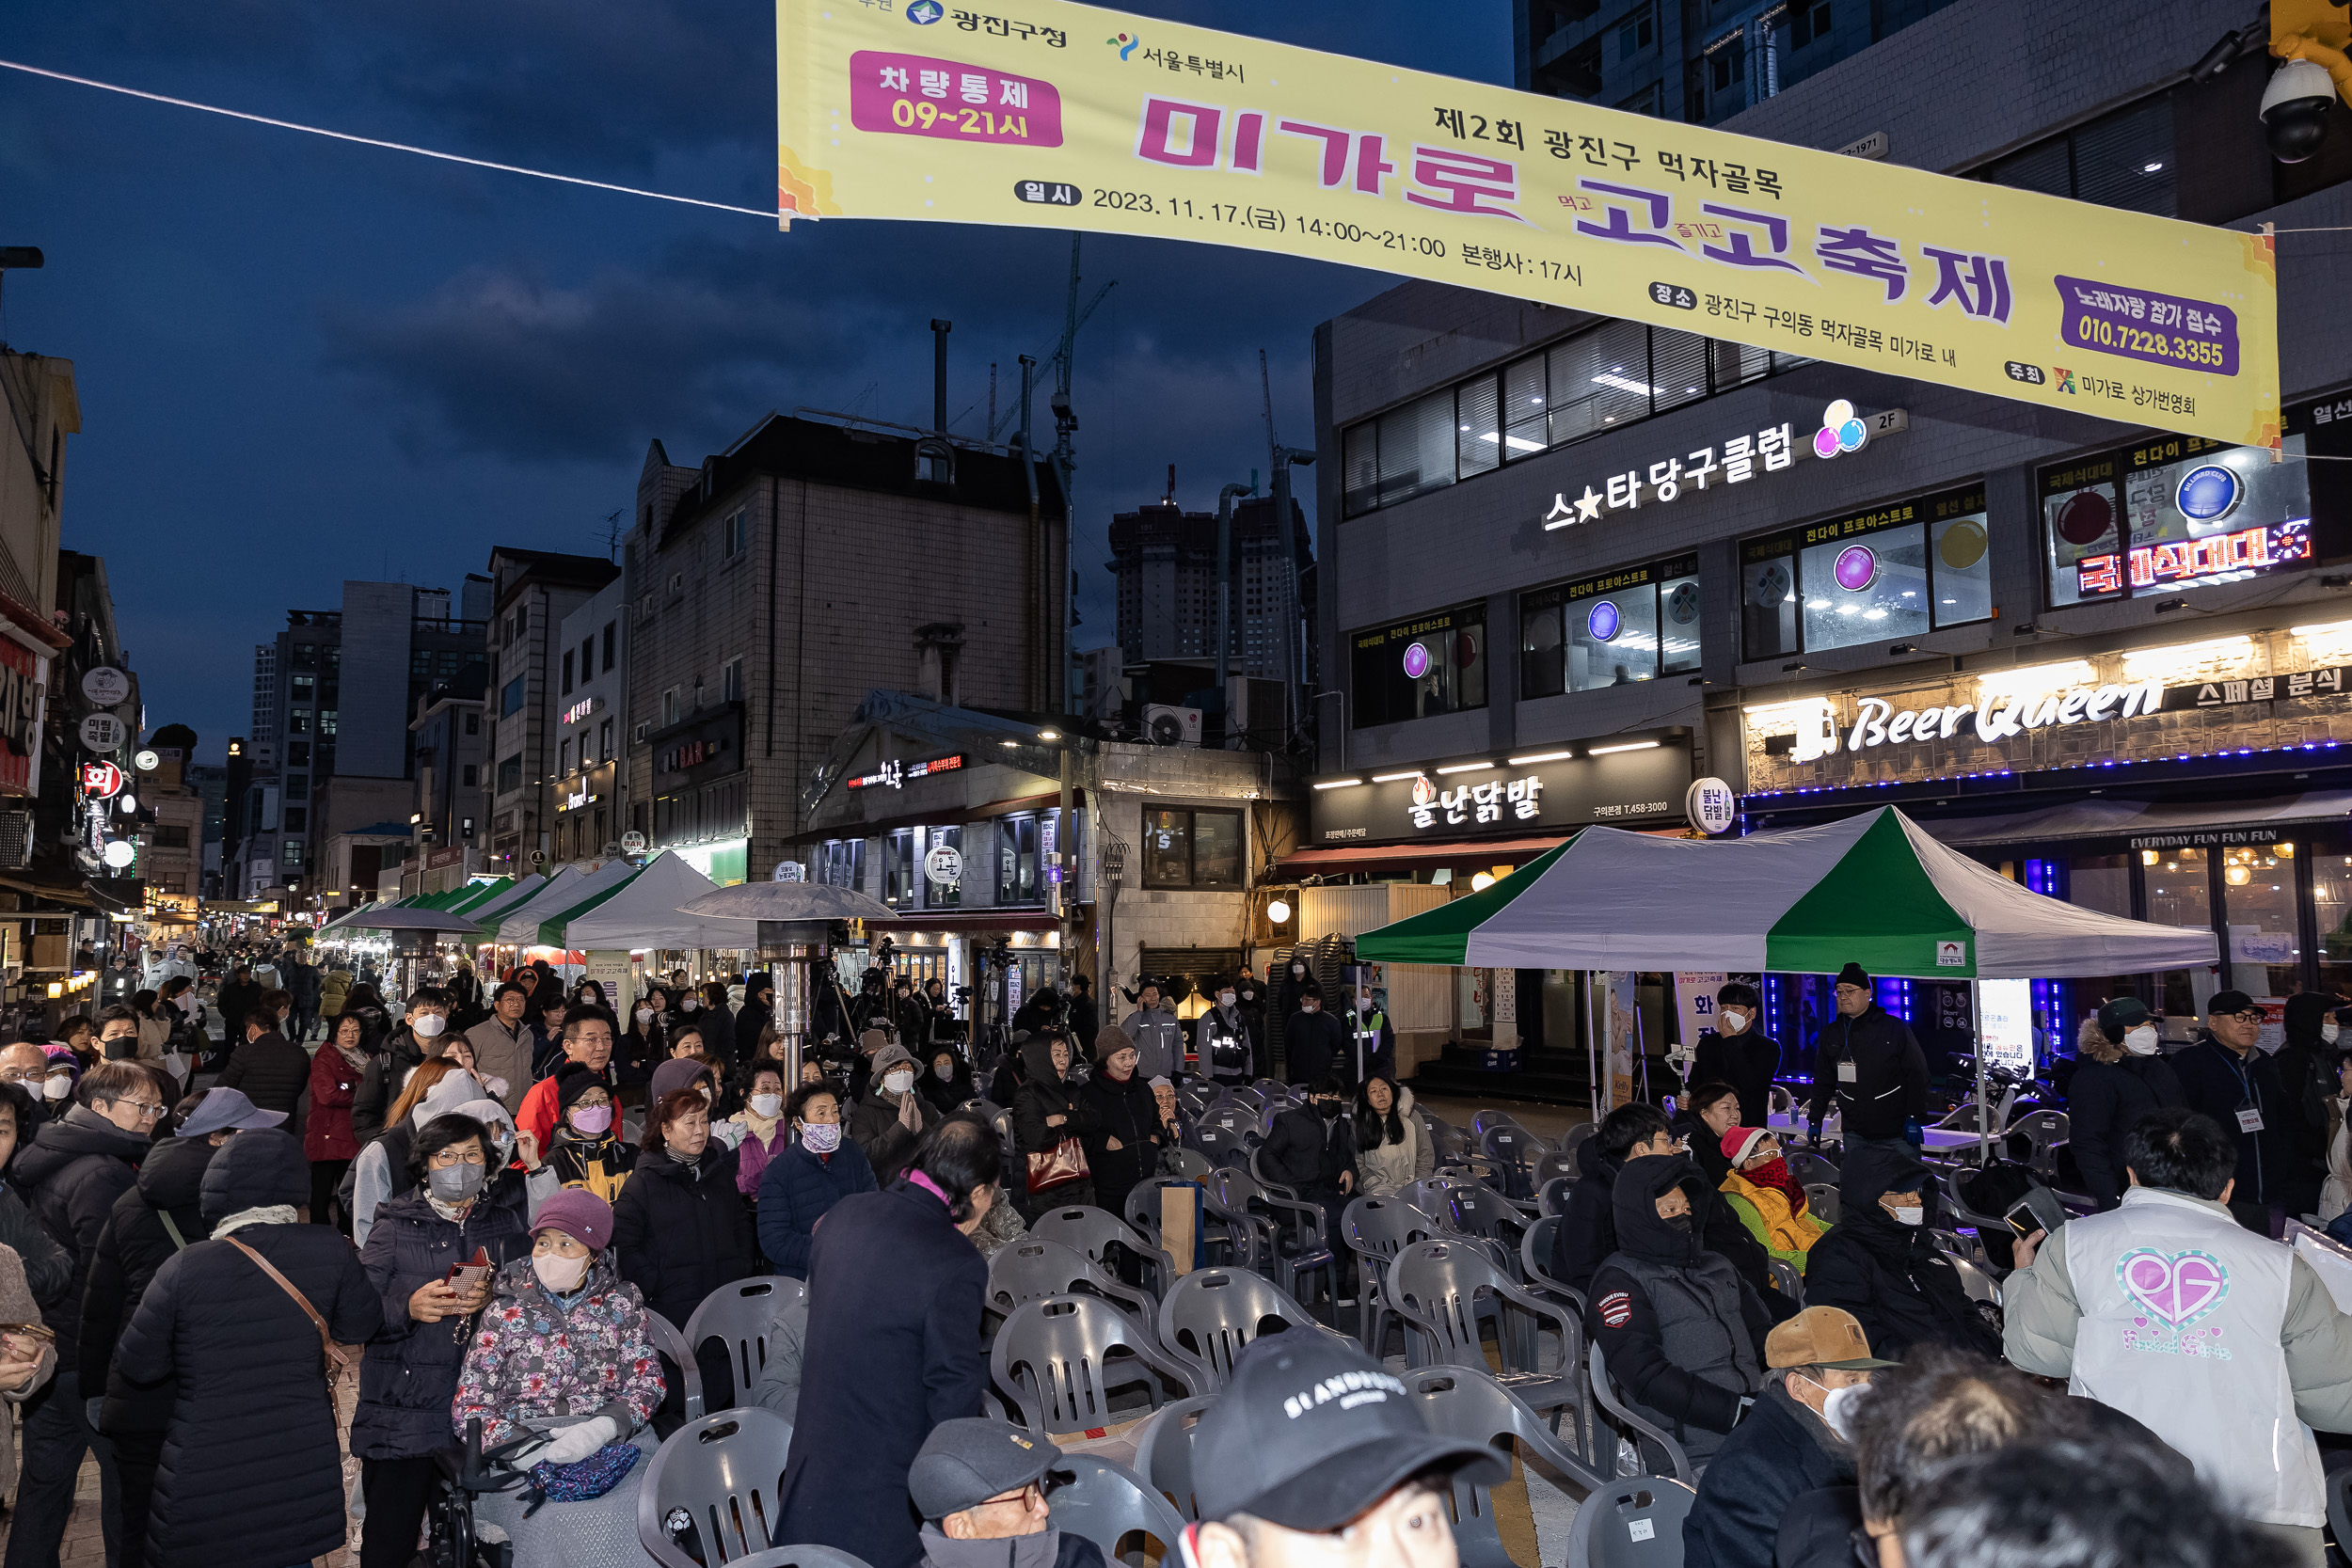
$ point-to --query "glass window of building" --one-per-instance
(1016, 860)
(1611, 629)
(2331, 903)
(1876, 576)
(2180, 892)
(2263, 945)
(899, 868)
(844, 862)
(2173, 511)
(1429, 665)
(947, 894)
(1192, 848)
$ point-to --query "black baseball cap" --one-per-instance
(2122, 1016)
(969, 1460)
(1312, 1431)
(2228, 1003)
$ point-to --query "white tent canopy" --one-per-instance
(519, 925)
(526, 888)
(644, 914)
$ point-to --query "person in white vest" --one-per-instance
(2224, 1342)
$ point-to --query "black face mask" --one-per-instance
(1331, 1109)
(1679, 1222)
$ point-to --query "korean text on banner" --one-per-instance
(1694, 1011)
(1046, 114)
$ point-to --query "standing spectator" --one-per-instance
(1785, 1446)
(1737, 1052)
(465, 997)
(1046, 1111)
(759, 1010)
(547, 1041)
(422, 1024)
(1298, 981)
(1869, 1062)
(1370, 1042)
(2119, 1078)
(381, 1170)
(1768, 1201)
(896, 1289)
(336, 1072)
(1225, 1049)
(1249, 1000)
(251, 1458)
(238, 996)
(78, 1165)
(2228, 1348)
(588, 1040)
(1123, 1144)
(48, 1267)
(1679, 1327)
(2224, 1078)
(1086, 1019)
(1880, 1261)
(585, 1153)
(680, 1227)
(948, 1083)
(1392, 1148)
(158, 1217)
(2306, 1066)
(118, 1034)
(301, 979)
(1158, 1038)
(502, 1044)
(27, 1360)
(892, 1116)
(271, 1069)
(803, 1182)
(371, 1097)
(1313, 1041)
(1311, 1150)
(979, 1481)
(459, 1210)
(761, 1133)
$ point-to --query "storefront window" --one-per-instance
(2101, 882)
(1192, 848)
(2265, 950)
(899, 868)
(1613, 629)
(1878, 576)
(2332, 902)
(844, 862)
(2173, 512)
(1016, 860)
(2179, 893)
(1429, 665)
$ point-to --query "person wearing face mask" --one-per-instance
(2335, 1194)
(1371, 1041)
(1313, 1041)
(680, 1227)
(2119, 1078)
(892, 1116)
(565, 1351)
(1157, 1037)
(1792, 1441)
(418, 1036)
(1249, 1000)
(1311, 1150)
(760, 1128)
(805, 1180)
(1737, 1052)
(1681, 1331)
(584, 1153)
(1880, 1261)
(1226, 1052)
(1047, 1109)
(2305, 1064)
(1123, 1145)
(271, 1069)
(1086, 1019)
(461, 1201)
(947, 1083)
(339, 1072)
(1868, 1062)
(1769, 1201)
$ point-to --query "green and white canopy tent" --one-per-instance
(1871, 889)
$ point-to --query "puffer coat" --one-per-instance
(536, 1356)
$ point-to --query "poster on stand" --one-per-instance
(1694, 1010)
(1624, 1028)
(611, 970)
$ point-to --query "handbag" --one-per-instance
(1057, 1166)
(337, 1360)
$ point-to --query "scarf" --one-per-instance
(356, 1055)
(268, 1213)
(1774, 1174)
(762, 1128)
(1041, 1550)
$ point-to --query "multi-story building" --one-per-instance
(1505, 683)
(534, 591)
(445, 825)
(1165, 560)
(211, 783)
(592, 727)
(775, 586)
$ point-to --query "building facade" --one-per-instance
(534, 591)
(1165, 560)
(2133, 629)
(445, 827)
(592, 727)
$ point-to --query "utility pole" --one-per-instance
(1028, 469)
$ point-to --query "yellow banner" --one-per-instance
(1049, 115)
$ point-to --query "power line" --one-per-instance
(374, 141)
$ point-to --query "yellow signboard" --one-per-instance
(1044, 114)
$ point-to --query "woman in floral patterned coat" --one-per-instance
(563, 1342)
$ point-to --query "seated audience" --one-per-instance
(1708, 1111)
(978, 1482)
(1767, 1199)
(1880, 1261)
(801, 1184)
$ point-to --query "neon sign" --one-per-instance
(894, 775)
(2246, 552)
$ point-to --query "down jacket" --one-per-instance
(1386, 1169)
(681, 1231)
(796, 1191)
(536, 1356)
(131, 1250)
(1890, 1275)
(72, 1175)
(271, 1069)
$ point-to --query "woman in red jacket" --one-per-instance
(327, 1140)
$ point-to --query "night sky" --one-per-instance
(302, 360)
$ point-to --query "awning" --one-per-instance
(1361, 857)
(77, 897)
(2099, 818)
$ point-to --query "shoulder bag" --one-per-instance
(337, 1360)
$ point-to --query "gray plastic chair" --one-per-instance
(1444, 1287)
(1292, 1231)
(1466, 1401)
(1033, 1268)
(1810, 1168)
(664, 1337)
(1787, 1279)
(1212, 1313)
(1976, 1280)
(1613, 1401)
(1092, 1231)
(1225, 1145)
(1515, 1151)
(1486, 1120)
(719, 1477)
(1552, 1194)
(1106, 1502)
(1535, 1264)
(800, 1556)
(1556, 1165)
(1820, 1200)
(1074, 1350)
(2045, 1130)
(739, 1314)
(1575, 1136)
(1635, 1523)
(1164, 1450)
(1375, 1230)
(1478, 1209)
(1191, 1164)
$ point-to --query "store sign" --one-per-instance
(943, 865)
(580, 710)
(632, 843)
(101, 781)
(103, 732)
(2245, 552)
(1743, 457)
(894, 775)
(1484, 803)
(790, 871)
(1633, 788)
(1710, 805)
(23, 701)
(106, 686)
(1878, 722)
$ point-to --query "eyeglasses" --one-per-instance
(148, 1109)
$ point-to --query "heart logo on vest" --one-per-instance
(2176, 1287)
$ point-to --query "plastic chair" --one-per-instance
(1577, 1134)
(1245, 1245)
(1535, 1265)
(1976, 1279)
(1375, 1230)
(1076, 1348)
(1093, 1232)
(1515, 1151)
(1822, 1201)
(1787, 1279)
(1191, 1164)
(1212, 1313)
(1486, 1120)
(1613, 1401)
(1032, 1269)
(2340, 1506)
(664, 1337)
(1466, 1401)
(740, 1314)
(1631, 1523)
(1551, 1196)
(1556, 1164)
(719, 1477)
(800, 1556)
(1809, 1168)
(1443, 1288)
(1106, 1502)
(2045, 1130)
(1164, 1450)
(1292, 1231)
(1223, 1145)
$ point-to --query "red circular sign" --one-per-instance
(101, 781)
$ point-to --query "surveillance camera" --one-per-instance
(2295, 109)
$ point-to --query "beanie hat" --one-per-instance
(1852, 976)
(575, 1079)
(890, 1057)
(1741, 1141)
(577, 1213)
(872, 1041)
(1110, 1041)
(252, 1170)
(678, 1072)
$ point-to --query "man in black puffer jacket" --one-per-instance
(1587, 1233)
(1868, 1059)
(1879, 1262)
(271, 1069)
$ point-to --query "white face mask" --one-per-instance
(560, 1275)
(425, 1025)
(766, 1105)
(898, 1080)
(644, 1015)
(57, 1086)
(1298, 969)
(1906, 1216)
(1837, 1409)
(1733, 1020)
(1225, 998)
(2140, 1041)
(689, 1004)
(2328, 1031)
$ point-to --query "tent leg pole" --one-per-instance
(1592, 1050)
(1984, 1124)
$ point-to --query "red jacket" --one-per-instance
(334, 1082)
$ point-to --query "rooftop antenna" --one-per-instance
(612, 534)
(1273, 447)
(1170, 499)
(992, 400)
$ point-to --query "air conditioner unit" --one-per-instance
(1165, 726)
